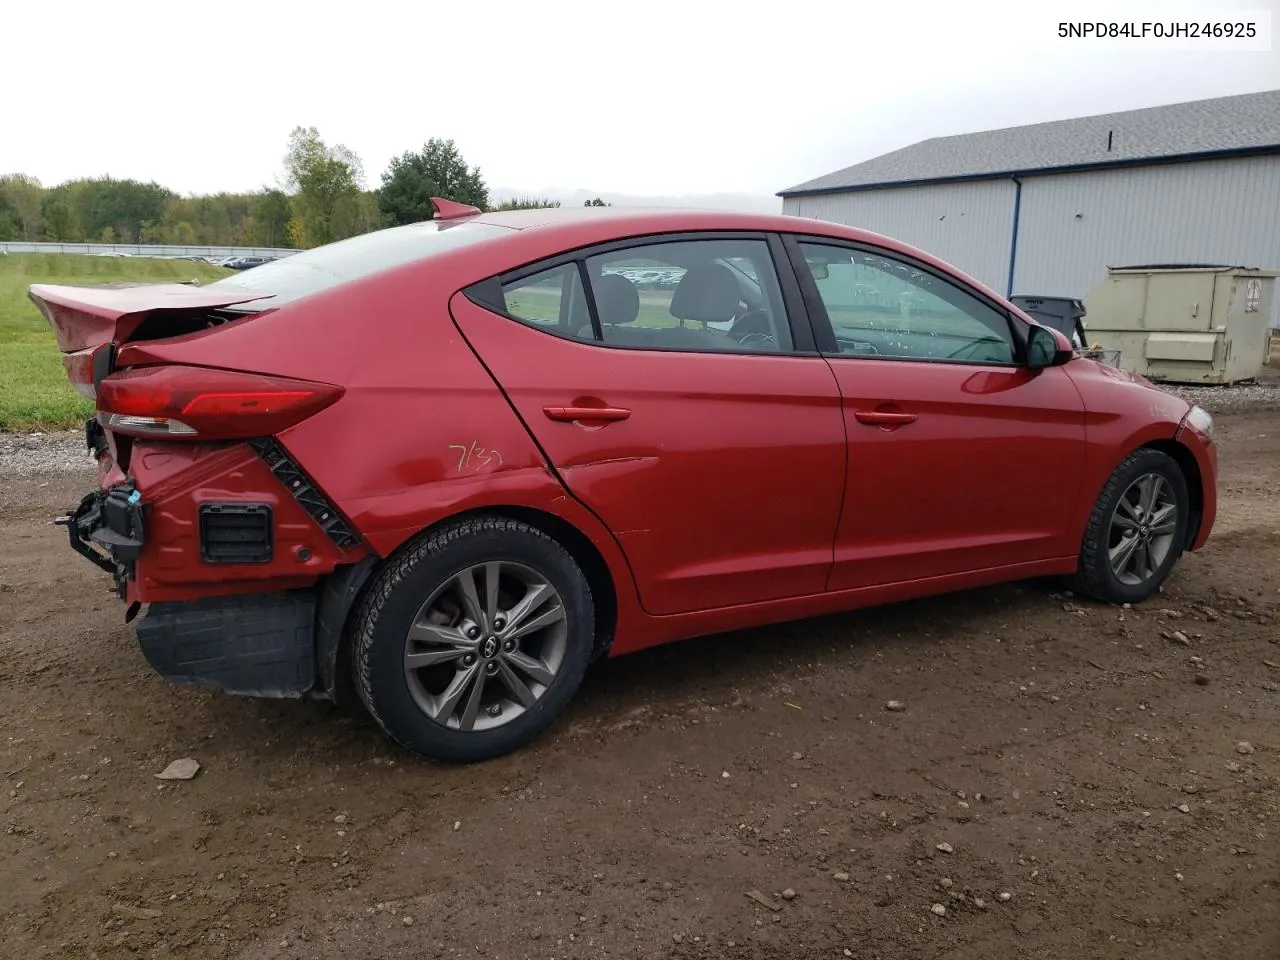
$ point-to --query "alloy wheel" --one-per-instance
(1143, 527)
(485, 646)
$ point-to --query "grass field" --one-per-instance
(34, 392)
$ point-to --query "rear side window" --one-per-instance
(312, 271)
(552, 300)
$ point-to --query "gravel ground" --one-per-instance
(1261, 395)
(1008, 773)
(38, 454)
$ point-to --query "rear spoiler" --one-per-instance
(451, 209)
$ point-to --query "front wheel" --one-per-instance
(1137, 530)
(472, 641)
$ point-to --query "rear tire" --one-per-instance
(471, 642)
(1137, 530)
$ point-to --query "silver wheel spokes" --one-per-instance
(485, 646)
(1142, 529)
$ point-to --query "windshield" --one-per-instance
(302, 274)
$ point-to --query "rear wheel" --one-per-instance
(1137, 530)
(472, 642)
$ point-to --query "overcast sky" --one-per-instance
(640, 98)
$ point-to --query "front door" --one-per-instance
(961, 458)
(673, 404)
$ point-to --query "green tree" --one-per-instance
(9, 229)
(325, 183)
(597, 202)
(270, 219)
(25, 198)
(125, 205)
(438, 170)
(61, 222)
(527, 203)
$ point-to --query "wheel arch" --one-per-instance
(343, 590)
(1089, 578)
(604, 593)
(1190, 467)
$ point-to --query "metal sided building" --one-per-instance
(1043, 210)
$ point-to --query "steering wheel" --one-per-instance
(742, 326)
(763, 339)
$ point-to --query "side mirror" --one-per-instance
(1047, 348)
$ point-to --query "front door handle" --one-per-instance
(884, 418)
(572, 414)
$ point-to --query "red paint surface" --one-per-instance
(736, 490)
(175, 479)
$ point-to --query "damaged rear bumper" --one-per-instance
(259, 645)
(278, 639)
(283, 644)
(255, 645)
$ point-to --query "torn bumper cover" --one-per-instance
(255, 645)
(108, 528)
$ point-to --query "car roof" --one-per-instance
(633, 220)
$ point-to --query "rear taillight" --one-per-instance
(195, 403)
(85, 367)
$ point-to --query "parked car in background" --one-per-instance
(459, 460)
(244, 263)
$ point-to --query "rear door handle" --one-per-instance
(884, 418)
(571, 414)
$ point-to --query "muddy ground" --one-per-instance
(1067, 780)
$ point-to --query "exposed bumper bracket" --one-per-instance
(107, 529)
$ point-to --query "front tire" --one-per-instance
(1137, 530)
(473, 640)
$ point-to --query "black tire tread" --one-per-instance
(429, 544)
(1089, 579)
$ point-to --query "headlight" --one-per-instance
(1200, 420)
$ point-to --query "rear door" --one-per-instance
(716, 456)
(961, 458)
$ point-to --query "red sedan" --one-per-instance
(457, 461)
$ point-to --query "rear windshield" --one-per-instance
(302, 274)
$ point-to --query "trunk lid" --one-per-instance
(91, 322)
(87, 317)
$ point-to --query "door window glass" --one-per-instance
(883, 307)
(696, 295)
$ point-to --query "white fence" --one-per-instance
(143, 249)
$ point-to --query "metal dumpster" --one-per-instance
(1184, 323)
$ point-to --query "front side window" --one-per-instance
(880, 306)
(696, 295)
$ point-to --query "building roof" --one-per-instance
(1225, 125)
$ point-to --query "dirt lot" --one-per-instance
(1066, 781)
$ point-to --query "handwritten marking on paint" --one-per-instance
(474, 458)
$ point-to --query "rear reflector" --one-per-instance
(195, 403)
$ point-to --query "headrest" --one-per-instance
(707, 293)
(617, 299)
